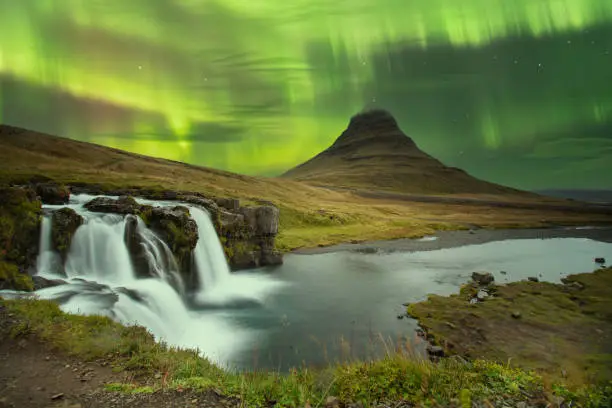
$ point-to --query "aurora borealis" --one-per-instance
(514, 91)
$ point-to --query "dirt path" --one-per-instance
(32, 375)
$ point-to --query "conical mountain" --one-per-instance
(373, 153)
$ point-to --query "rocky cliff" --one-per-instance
(247, 233)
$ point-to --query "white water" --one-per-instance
(209, 258)
(101, 280)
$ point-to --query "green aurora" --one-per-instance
(514, 91)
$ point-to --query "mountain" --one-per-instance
(374, 153)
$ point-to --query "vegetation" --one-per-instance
(561, 331)
(310, 215)
(398, 377)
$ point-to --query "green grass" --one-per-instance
(398, 377)
(562, 331)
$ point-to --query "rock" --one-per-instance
(179, 231)
(244, 260)
(533, 279)
(57, 396)
(271, 258)
(122, 205)
(41, 283)
(521, 404)
(267, 220)
(482, 295)
(231, 204)
(435, 351)
(400, 317)
(600, 261)
(64, 223)
(503, 272)
(332, 402)
(52, 193)
(516, 314)
(208, 205)
(451, 325)
(261, 220)
(483, 278)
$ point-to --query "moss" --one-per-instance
(11, 278)
(561, 330)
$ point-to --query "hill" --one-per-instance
(310, 215)
(374, 153)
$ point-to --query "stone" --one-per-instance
(600, 260)
(267, 220)
(52, 193)
(177, 229)
(482, 295)
(483, 278)
(332, 402)
(516, 314)
(400, 317)
(65, 223)
(42, 283)
(244, 260)
(231, 204)
(451, 325)
(57, 396)
(271, 258)
(533, 279)
(435, 351)
(503, 272)
(123, 205)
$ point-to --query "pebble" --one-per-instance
(57, 396)
(516, 315)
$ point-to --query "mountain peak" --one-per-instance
(372, 127)
(374, 153)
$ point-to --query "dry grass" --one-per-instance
(310, 215)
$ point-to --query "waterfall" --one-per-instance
(98, 252)
(209, 258)
(117, 267)
(48, 263)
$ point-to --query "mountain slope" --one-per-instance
(373, 153)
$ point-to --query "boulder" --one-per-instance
(483, 278)
(482, 295)
(435, 351)
(231, 204)
(267, 220)
(271, 258)
(64, 223)
(135, 245)
(205, 203)
(122, 205)
(243, 260)
(42, 283)
(176, 228)
(533, 279)
(52, 193)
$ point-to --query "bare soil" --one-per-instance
(33, 375)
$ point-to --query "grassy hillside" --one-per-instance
(373, 151)
(310, 215)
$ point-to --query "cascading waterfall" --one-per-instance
(101, 279)
(209, 258)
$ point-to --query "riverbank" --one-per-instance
(453, 239)
(146, 374)
(562, 331)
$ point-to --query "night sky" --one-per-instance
(514, 91)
